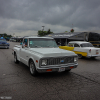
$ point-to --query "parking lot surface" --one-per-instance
(16, 82)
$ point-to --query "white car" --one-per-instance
(85, 49)
(41, 54)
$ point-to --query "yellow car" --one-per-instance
(82, 49)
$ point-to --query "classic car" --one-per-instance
(82, 49)
(41, 54)
(4, 44)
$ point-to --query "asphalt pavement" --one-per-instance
(16, 82)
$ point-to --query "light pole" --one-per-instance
(13, 34)
(43, 28)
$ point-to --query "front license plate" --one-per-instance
(61, 69)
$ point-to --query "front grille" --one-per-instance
(60, 60)
(3, 43)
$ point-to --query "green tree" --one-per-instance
(72, 30)
(5, 35)
(43, 33)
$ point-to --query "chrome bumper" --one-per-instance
(4, 46)
(93, 56)
(55, 68)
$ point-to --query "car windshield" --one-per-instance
(86, 45)
(2, 40)
(38, 43)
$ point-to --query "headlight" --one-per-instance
(75, 59)
(44, 62)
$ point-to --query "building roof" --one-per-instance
(63, 35)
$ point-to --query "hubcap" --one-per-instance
(31, 68)
(79, 56)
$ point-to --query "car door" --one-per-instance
(24, 51)
(76, 47)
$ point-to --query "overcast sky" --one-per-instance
(26, 17)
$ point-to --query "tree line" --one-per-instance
(4, 35)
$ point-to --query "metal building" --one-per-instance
(64, 38)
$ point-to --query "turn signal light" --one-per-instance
(97, 52)
(90, 51)
(49, 70)
(71, 67)
(37, 61)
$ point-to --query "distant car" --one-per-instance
(12, 40)
(82, 48)
(4, 44)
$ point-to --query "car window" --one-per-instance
(42, 42)
(70, 45)
(25, 42)
(76, 45)
(86, 45)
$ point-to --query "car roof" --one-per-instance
(78, 42)
(38, 37)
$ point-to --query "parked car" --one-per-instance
(12, 40)
(41, 54)
(4, 44)
(82, 49)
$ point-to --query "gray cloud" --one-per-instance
(27, 16)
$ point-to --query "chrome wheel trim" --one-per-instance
(32, 68)
(79, 56)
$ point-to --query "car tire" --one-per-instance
(15, 59)
(32, 68)
(93, 57)
(79, 56)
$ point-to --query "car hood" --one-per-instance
(3, 42)
(52, 52)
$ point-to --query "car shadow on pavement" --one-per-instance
(54, 74)
(25, 69)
